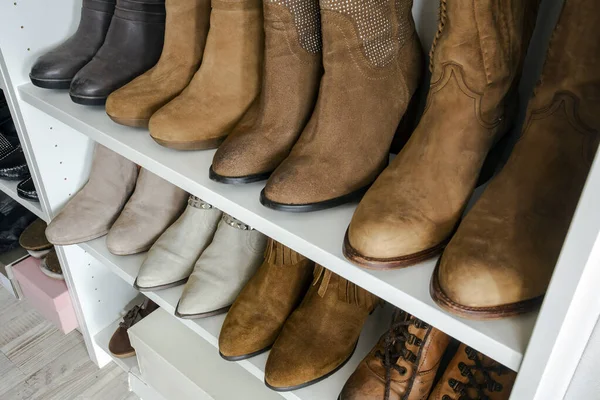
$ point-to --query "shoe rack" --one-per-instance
(57, 135)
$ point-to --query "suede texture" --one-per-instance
(346, 143)
(505, 250)
(186, 29)
(132, 45)
(415, 204)
(499, 377)
(223, 88)
(33, 237)
(153, 207)
(321, 333)
(259, 312)
(119, 344)
(291, 76)
(94, 209)
(409, 379)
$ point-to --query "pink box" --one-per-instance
(48, 296)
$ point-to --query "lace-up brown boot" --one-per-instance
(473, 376)
(259, 312)
(412, 209)
(119, 344)
(403, 364)
(501, 259)
(373, 64)
(321, 334)
(291, 76)
(185, 36)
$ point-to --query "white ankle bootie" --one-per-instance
(222, 270)
(171, 259)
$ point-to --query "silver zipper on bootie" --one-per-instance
(229, 220)
(197, 202)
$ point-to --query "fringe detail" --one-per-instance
(280, 255)
(347, 291)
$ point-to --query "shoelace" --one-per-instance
(396, 338)
(130, 317)
(468, 370)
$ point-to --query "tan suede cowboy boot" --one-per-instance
(412, 209)
(373, 64)
(403, 364)
(502, 257)
(321, 334)
(291, 76)
(224, 87)
(185, 36)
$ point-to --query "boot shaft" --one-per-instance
(306, 20)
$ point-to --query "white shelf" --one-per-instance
(10, 188)
(129, 364)
(316, 235)
(208, 328)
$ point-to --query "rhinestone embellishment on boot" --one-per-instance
(307, 19)
(375, 25)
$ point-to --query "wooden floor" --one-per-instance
(39, 362)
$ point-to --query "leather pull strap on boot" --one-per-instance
(259, 312)
(502, 257)
(321, 334)
(403, 364)
(224, 87)
(186, 29)
(132, 46)
(373, 63)
(56, 68)
(412, 209)
(291, 75)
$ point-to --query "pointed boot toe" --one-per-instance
(77, 224)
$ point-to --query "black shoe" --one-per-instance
(26, 190)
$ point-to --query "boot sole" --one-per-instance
(245, 356)
(158, 287)
(194, 145)
(479, 313)
(291, 388)
(51, 83)
(88, 100)
(201, 315)
(390, 263)
(230, 180)
(132, 122)
(318, 206)
(124, 355)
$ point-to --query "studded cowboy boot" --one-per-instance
(186, 28)
(412, 209)
(373, 61)
(291, 76)
(224, 87)
(501, 259)
(473, 376)
(321, 334)
(56, 68)
(259, 312)
(403, 364)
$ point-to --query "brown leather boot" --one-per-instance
(224, 87)
(291, 76)
(186, 28)
(412, 209)
(502, 257)
(403, 364)
(471, 375)
(373, 63)
(260, 310)
(119, 344)
(321, 334)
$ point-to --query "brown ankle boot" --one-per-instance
(373, 63)
(471, 375)
(291, 76)
(320, 336)
(413, 207)
(260, 310)
(185, 35)
(403, 364)
(502, 257)
(224, 87)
